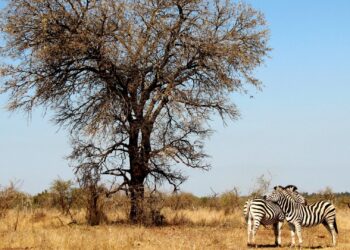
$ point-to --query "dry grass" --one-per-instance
(185, 229)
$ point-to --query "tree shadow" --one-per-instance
(267, 246)
(315, 247)
(285, 246)
(264, 246)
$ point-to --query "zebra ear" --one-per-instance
(278, 187)
(291, 187)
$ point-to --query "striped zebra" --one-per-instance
(260, 211)
(299, 215)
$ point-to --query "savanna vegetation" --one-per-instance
(57, 218)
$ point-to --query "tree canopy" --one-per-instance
(134, 81)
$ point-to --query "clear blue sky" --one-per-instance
(297, 129)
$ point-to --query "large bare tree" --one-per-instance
(134, 81)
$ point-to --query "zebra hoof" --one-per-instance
(251, 245)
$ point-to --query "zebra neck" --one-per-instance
(287, 206)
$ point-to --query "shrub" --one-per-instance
(10, 198)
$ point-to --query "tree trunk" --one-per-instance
(136, 200)
(138, 172)
(95, 215)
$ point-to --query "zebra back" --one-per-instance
(265, 211)
(308, 215)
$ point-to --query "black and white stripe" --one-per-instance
(261, 211)
(300, 215)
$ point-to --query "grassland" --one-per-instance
(186, 229)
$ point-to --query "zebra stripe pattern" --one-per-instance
(261, 211)
(292, 190)
(300, 215)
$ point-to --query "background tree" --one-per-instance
(89, 180)
(261, 186)
(11, 197)
(135, 81)
(64, 195)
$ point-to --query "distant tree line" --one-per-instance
(67, 197)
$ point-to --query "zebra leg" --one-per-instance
(292, 234)
(277, 230)
(249, 230)
(298, 229)
(256, 224)
(331, 230)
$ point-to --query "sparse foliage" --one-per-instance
(230, 200)
(328, 194)
(43, 199)
(62, 192)
(89, 181)
(10, 197)
(261, 186)
(134, 80)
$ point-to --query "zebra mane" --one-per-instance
(291, 187)
(277, 187)
(291, 192)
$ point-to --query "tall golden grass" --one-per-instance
(201, 228)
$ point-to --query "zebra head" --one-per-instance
(276, 195)
(280, 193)
(292, 190)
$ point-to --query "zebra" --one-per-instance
(298, 214)
(260, 211)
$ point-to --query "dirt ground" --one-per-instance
(206, 230)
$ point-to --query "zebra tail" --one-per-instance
(247, 212)
(335, 226)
